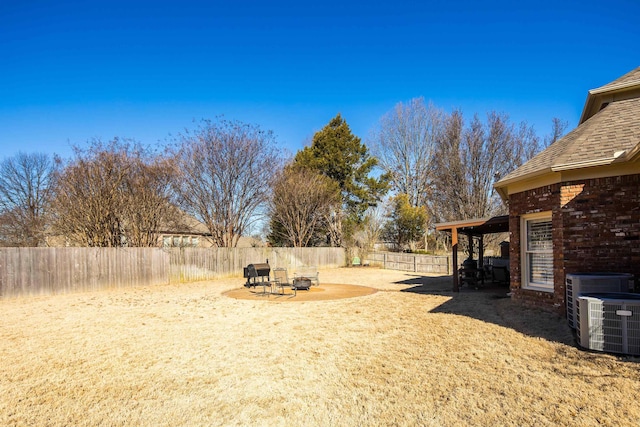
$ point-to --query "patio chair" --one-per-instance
(470, 276)
(500, 275)
(281, 280)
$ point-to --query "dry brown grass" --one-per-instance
(187, 355)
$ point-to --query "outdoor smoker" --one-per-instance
(254, 271)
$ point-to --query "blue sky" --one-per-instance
(73, 71)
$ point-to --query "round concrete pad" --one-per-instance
(315, 293)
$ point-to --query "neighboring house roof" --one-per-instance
(184, 223)
(189, 225)
(250, 242)
(608, 136)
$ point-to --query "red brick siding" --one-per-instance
(602, 226)
(596, 227)
(542, 199)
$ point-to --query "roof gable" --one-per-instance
(625, 87)
(611, 134)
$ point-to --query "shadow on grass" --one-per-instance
(491, 303)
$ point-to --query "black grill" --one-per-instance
(254, 271)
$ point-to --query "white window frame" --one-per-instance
(524, 252)
(180, 241)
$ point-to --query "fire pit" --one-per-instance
(302, 283)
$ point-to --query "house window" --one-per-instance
(537, 252)
(180, 241)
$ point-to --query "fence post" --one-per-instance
(415, 263)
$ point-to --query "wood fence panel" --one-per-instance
(36, 271)
(193, 264)
(430, 264)
(40, 271)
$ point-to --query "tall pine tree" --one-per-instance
(338, 154)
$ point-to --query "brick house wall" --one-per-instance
(596, 228)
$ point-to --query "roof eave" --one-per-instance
(588, 106)
(617, 157)
(503, 194)
(501, 185)
(443, 226)
(594, 100)
(633, 154)
(613, 88)
(477, 226)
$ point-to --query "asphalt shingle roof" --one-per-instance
(613, 129)
(631, 77)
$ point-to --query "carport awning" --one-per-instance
(472, 228)
(477, 227)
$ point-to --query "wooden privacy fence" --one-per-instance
(34, 271)
(431, 264)
(193, 264)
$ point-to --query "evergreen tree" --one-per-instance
(338, 154)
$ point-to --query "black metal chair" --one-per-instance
(281, 280)
(500, 275)
(470, 275)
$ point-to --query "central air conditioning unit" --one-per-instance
(609, 322)
(583, 283)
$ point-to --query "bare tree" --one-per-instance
(528, 146)
(471, 159)
(404, 144)
(340, 155)
(146, 208)
(450, 196)
(224, 170)
(114, 194)
(301, 204)
(25, 190)
(89, 197)
(372, 227)
(558, 128)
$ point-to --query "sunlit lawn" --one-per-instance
(189, 355)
